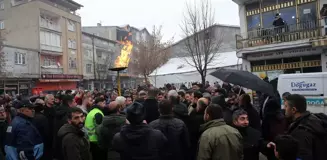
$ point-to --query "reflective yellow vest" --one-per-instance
(91, 125)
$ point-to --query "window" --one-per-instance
(307, 12)
(268, 19)
(50, 39)
(2, 25)
(72, 52)
(72, 63)
(71, 26)
(288, 15)
(20, 58)
(88, 68)
(71, 44)
(253, 22)
(252, 6)
(2, 4)
(49, 61)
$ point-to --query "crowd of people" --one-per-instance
(148, 123)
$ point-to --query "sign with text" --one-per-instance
(284, 53)
(61, 76)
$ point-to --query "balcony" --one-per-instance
(242, 2)
(51, 70)
(275, 35)
(50, 22)
(52, 48)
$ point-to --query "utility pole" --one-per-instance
(93, 57)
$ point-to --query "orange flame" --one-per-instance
(123, 59)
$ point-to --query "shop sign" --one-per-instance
(23, 86)
(284, 53)
(61, 76)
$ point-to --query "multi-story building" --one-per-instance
(225, 32)
(51, 29)
(295, 46)
(129, 77)
(98, 56)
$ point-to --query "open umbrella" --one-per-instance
(245, 79)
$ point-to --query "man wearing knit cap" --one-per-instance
(137, 140)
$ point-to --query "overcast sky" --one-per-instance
(146, 13)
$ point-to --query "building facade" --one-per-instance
(227, 32)
(295, 46)
(53, 29)
(129, 77)
(98, 56)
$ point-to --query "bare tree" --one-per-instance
(2, 55)
(151, 53)
(203, 40)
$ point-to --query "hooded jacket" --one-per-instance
(139, 142)
(309, 132)
(74, 144)
(219, 141)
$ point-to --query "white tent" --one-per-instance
(179, 71)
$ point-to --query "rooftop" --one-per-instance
(180, 65)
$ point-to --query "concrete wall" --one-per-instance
(108, 32)
(228, 44)
(31, 68)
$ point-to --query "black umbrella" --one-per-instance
(245, 79)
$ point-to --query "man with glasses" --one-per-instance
(23, 140)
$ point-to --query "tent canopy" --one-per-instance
(181, 64)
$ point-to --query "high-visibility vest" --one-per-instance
(91, 125)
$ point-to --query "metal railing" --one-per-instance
(285, 33)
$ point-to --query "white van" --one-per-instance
(311, 85)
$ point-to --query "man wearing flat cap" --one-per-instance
(23, 140)
(137, 140)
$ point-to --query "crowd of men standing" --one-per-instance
(160, 124)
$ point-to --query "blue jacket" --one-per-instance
(23, 141)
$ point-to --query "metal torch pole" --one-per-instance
(118, 83)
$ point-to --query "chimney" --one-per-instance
(99, 24)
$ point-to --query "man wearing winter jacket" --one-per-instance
(75, 145)
(218, 140)
(138, 140)
(306, 128)
(111, 124)
(3, 129)
(23, 140)
(178, 144)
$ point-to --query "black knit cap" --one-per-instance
(23, 104)
(135, 113)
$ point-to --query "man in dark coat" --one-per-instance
(252, 140)
(151, 105)
(175, 130)
(3, 129)
(41, 122)
(75, 145)
(138, 140)
(111, 124)
(306, 128)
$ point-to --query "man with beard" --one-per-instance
(252, 141)
(93, 119)
(218, 140)
(74, 144)
(306, 128)
(110, 125)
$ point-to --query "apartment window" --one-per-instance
(72, 63)
(308, 12)
(253, 22)
(71, 44)
(2, 4)
(88, 68)
(49, 22)
(50, 39)
(49, 61)
(71, 26)
(20, 58)
(268, 19)
(2, 25)
(288, 15)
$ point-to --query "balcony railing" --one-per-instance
(49, 70)
(286, 33)
(51, 48)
